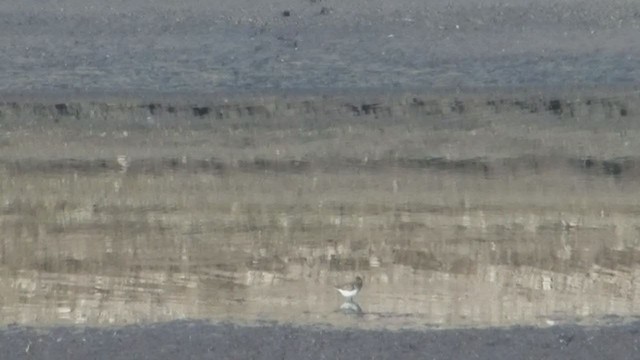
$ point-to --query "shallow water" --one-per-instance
(509, 217)
(435, 249)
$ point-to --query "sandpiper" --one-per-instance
(351, 289)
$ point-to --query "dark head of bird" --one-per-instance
(358, 282)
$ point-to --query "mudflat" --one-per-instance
(478, 212)
(193, 179)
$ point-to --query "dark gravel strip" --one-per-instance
(202, 340)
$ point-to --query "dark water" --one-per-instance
(221, 46)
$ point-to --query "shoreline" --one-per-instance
(259, 95)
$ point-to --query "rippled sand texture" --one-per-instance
(458, 211)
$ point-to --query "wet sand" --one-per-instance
(458, 211)
(467, 216)
(476, 163)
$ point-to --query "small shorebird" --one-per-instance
(351, 289)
